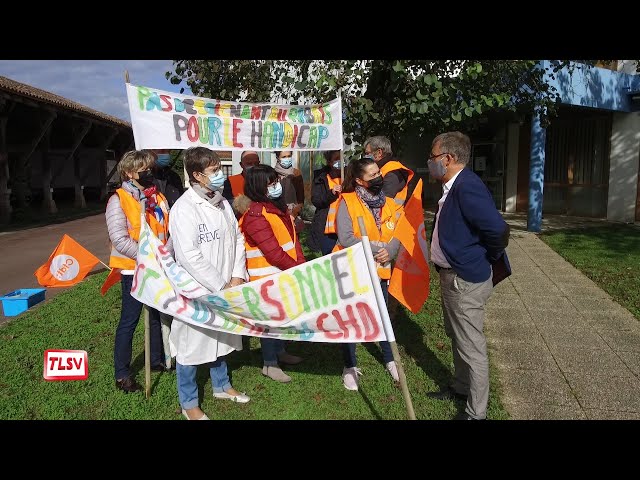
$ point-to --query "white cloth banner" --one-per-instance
(163, 119)
(329, 299)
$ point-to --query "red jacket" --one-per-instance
(257, 232)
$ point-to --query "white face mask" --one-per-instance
(274, 191)
(286, 162)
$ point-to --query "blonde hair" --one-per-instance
(133, 161)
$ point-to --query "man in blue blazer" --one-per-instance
(468, 250)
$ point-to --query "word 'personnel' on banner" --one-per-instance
(329, 299)
(162, 119)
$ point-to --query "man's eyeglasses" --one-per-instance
(433, 157)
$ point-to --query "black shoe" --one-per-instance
(447, 394)
(466, 416)
(128, 384)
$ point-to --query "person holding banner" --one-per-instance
(468, 243)
(362, 196)
(292, 183)
(234, 185)
(272, 246)
(123, 213)
(325, 192)
(209, 245)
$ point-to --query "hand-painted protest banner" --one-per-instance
(163, 119)
(329, 299)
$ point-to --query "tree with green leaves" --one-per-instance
(384, 97)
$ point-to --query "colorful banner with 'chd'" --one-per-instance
(168, 120)
(329, 299)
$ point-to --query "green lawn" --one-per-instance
(608, 255)
(81, 319)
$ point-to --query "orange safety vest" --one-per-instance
(330, 226)
(257, 264)
(387, 225)
(401, 196)
(132, 209)
(237, 184)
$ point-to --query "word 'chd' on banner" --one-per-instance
(163, 119)
(329, 299)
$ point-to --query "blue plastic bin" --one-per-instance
(18, 301)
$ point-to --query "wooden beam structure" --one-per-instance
(80, 131)
(21, 176)
(48, 203)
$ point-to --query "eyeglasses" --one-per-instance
(433, 157)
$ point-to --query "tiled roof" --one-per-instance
(8, 85)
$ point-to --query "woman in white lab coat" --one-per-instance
(209, 245)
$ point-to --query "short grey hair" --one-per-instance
(378, 142)
(454, 143)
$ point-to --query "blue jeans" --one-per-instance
(129, 317)
(188, 388)
(327, 242)
(349, 349)
(271, 347)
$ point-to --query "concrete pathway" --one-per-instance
(562, 347)
(23, 251)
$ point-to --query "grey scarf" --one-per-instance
(213, 197)
(374, 202)
(283, 172)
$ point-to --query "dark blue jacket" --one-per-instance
(471, 231)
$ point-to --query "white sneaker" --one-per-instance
(350, 378)
(240, 398)
(393, 370)
(203, 417)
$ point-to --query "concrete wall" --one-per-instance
(595, 87)
(623, 168)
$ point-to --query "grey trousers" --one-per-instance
(463, 308)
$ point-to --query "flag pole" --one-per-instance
(147, 334)
(147, 354)
(386, 321)
(105, 265)
(342, 148)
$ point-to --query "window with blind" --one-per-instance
(576, 171)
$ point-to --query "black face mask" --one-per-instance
(375, 185)
(145, 179)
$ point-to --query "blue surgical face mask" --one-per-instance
(163, 160)
(286, 162)
(216, 180)
(336, 164)
(368, 155)
(437, 169)
(274, 191)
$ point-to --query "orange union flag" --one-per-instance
(68, 264)
(409, 282)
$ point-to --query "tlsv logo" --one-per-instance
(65, 365)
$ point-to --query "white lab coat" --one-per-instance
(209, 245)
